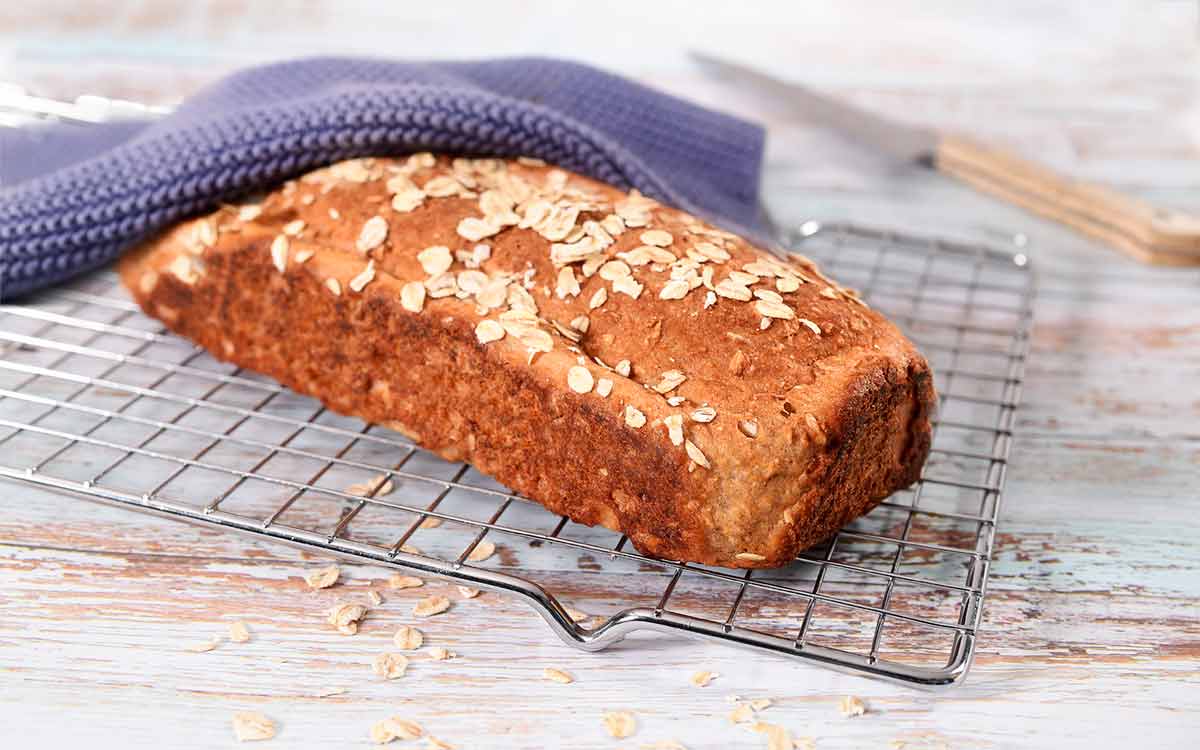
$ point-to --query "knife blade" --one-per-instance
(1149, 233)
(899, 140)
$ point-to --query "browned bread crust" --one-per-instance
(625, 375)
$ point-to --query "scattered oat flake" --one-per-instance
(334, 286)
(435, 260)
(374, 597)
(412, 296)
(430, 606)
(778, 738)
(390, 666)
(670, 380)
(323, 578)
(303, 256)
(394, 728)
(467, 592)
(619, 724)
(206, 646)
(279, 252)
(748, 427)
(431, 522)
(238, 632)
(760, 704)
(557, 675)
(675, 289)
(750, 557)
(696, 454)
(787, 284)
(372, 235)
(701, 679)
(851, 706)
(345, 617)
(206, 232)
(772, 309)
(400, 581)
(704, 414)
(437, 653)
(628, 285)
(487, 331)
(829, 293)
(330, 692)
(674, 425)
(579, 379)
(249, 212)
(251, 726)
(567, 285)
(407, 200)
(433, 743)
(604, 387)
(408, 638)
(366, 276)
(598, 299)
(482, 551)
(656, 238)
(811, 326)
(634, 418)
(377, 486)
(474, 229)
(614, 269)
(741, 714)
(294, 228)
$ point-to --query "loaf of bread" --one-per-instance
(618, 361)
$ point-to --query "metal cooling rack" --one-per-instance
(102, 402)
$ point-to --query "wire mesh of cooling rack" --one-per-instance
(99, 400)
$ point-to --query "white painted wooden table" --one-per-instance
(1092, 626)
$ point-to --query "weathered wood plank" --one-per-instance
(1091, 632)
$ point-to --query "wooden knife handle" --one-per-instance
(1148, 233)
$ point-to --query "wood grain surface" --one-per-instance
(1091, 633)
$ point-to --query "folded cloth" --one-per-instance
(73, 197)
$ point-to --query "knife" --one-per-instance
(1146, 232)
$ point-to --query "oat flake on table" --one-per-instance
(394, 728)
(323, 578)
(851, 706)
(408, 638)
(619, 724)
(251, 726)
(431, 605)
(557, 675)
(238, 632)
(390, 666)
(205, 646)
(400, 581)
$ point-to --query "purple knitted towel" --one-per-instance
(73, 197)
